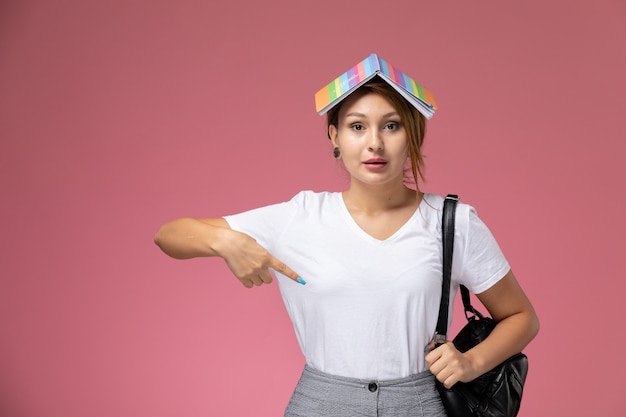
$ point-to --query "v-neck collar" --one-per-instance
(363, 234)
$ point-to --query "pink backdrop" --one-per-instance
(116, 116)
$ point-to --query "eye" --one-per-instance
(392, 126)
(356, 127)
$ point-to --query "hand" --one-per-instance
(250, 262)
(450, 366)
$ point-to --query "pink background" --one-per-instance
(116, 116)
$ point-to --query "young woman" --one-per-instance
(360, 271)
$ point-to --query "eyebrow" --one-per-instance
(355, 114)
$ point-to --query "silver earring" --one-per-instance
(336, 152)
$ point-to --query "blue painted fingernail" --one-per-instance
(301, 281)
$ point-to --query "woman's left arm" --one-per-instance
(517, 325)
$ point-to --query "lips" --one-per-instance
(376, 162)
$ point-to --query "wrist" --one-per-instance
(477, 361)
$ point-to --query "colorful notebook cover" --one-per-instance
(330, 95)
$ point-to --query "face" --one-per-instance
(372, 140)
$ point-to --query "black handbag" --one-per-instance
(497, 393)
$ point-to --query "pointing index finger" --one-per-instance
(281, 267)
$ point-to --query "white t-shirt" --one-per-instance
(369, 306)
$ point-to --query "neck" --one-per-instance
(378, 198)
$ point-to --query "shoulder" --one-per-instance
(432, 206)
(432, 212)
(311, 200)
(267, 222)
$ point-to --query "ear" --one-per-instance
(332, 134)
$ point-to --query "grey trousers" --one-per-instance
(318, 394)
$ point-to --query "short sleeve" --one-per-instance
(481, 261)
(265, 224)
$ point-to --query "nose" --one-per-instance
(375, 142)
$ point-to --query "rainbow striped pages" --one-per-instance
(329, 96)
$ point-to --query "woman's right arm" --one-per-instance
(188, 237)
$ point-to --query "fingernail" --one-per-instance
(301, 281)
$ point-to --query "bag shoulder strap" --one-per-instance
(447, 236)
(467, 305)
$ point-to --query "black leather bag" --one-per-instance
(497, 393)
